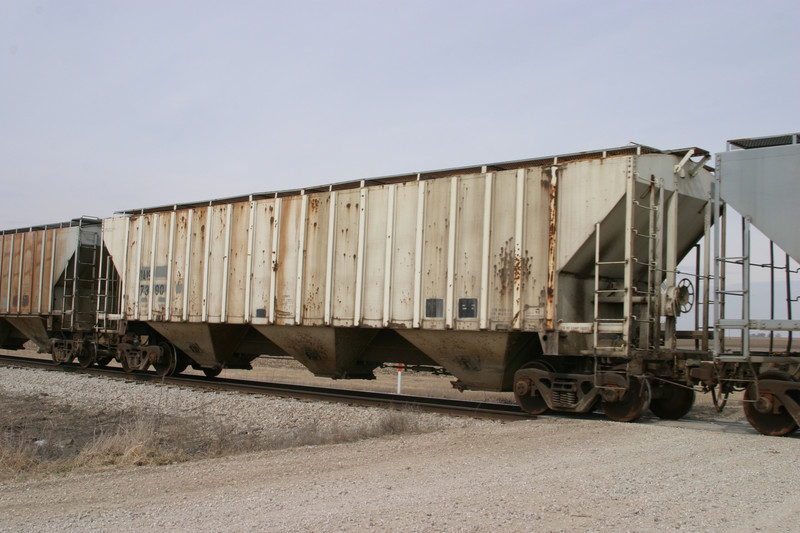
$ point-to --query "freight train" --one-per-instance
(556, 278)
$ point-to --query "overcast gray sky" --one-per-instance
(108, 105)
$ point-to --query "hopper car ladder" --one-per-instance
(78, 298)
(745, 322)
(108, 281)
(766, 370)
(772, 161)
(648, 214)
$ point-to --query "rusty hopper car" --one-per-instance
(48, 291)
(555, 278)
(542, 276)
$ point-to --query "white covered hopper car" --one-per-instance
(553, 277)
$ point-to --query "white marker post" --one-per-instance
(399, 378)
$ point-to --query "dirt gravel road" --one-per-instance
(549, 474)
(541, 475)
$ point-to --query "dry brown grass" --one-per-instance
(40, 437)
(390, 422)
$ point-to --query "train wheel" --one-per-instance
(530, 400)
(182, 363)
(761, 412)
(61, 356)
(633, 402)
(103, 357)
(212, 372)
(671, 401)
(86, 356)
(64, 360)
(125, 366)
(166, 364)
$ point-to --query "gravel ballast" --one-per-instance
(451, 474)
(258, 415)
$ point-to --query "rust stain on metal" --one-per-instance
(505, 268)
(551, 250)
(511, 268)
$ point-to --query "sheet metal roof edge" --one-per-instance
(82, 221)
(413, 176)
(749, 143)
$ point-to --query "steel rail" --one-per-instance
(474, 409)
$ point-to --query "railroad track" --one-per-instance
(490, 410)
(475, 409)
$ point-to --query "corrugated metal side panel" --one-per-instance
(536, 240)
(37, 272)
(114, 239)
(29, 268)
(468, 251)
(237, 263)
(501, 251)
(158, 266)
(404, 236)
(131, 276)
(459, 226)
(434, 253)
(6, 271)
(45, 301)
(14, 279)
(197, 265)
(177, 265)
(289, 252)
(262, 271)
(587, 192)
(26, 253)
(345, 257)
(215, 267)
(115, 236)
(316, 258)
(66, 243)
(375, 256)
(144, 263)
(5, 262)
(26, 273)
(479, 256)
(198, 262)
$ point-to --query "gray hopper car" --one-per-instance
(553, 277)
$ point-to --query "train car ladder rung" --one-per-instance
(646, 207)
(606, 327)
